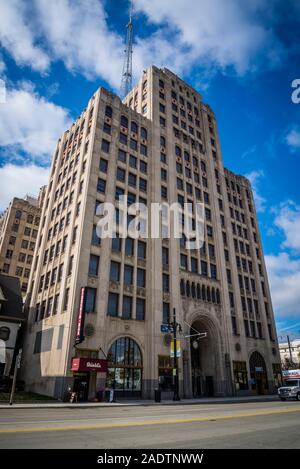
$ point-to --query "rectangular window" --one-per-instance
(129, 247)
(90, 299)
(127, 307)
(114, 271)
(128, 275)
(101, 185)
(105, 146)
(112, 304)
(140, 309)
(93, 265)
(141, 278)
(165, 282)
(166, 313)
(141, 250)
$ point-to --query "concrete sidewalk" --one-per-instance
(141, 402)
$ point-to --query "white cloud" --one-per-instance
(293, 138)
(254, 177)
(288, 220)
(211, 34)
(77, 34)
(17, 181)
(284, 278)
(31, 124)
(17, 35)
(229, 34)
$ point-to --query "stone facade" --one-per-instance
(18, 232)
(160, 145)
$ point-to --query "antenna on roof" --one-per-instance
(126, 83)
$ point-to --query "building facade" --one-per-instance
(18, 232)
(94, 299)
(11, 319)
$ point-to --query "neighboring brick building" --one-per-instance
(18, 232)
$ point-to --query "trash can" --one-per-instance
(157, 395)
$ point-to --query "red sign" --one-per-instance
(80, 320)
(89, 364)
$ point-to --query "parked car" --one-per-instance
(290, 389)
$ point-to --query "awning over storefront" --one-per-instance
(89, 364)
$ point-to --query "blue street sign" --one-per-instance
(165, 328)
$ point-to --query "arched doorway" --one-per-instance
(205, 360)
(258, 373)
(125, 368)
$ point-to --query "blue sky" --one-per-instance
(241, 57)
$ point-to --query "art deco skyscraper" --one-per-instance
(92, 299)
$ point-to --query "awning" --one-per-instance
(89, 364)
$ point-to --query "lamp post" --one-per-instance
(176, 376)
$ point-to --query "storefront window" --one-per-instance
(240, 376)
(165, 372)
(125, 366)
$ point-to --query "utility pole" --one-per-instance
(290, 350)
(17, 365)
(176, 376)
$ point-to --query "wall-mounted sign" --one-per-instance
(80, 320)
(89, 364)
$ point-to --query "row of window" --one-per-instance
(126, 305)
(199, 292)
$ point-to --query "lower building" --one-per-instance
(11, 319)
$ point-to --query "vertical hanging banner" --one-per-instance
(80, 320)
(178, 349)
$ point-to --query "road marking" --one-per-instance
(147, 422)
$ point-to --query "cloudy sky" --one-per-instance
(241, 56)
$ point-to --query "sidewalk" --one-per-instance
(124, 403)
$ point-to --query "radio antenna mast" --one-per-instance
(126, 83)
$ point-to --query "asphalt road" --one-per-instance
(244, 425)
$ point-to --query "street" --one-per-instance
(240, 425)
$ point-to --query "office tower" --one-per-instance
(95, 299)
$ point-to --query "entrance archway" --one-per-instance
(258, 373)
(125, 368)
(205, 359)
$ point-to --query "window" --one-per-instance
(143, 150)
(240, 375)
(166, 313)
(143, 185)
(128, 275)
(127, 307)
(121, 173)
(140, 309)
(66, 299)
(166, 282)
(101, 185)
(124, 122)
(108, 111)
(112, 304)
(163, 174)
(93, 265)
(141, 278)
(132, 161)
(122, 155)
(194, 265)
(114, 271)
(132, 180)
(164, 192)
(105, 146)
(143, 133)
(106, 128)
(143, 167)
(134, 127)
(165, 256)
(133, 144)
(96, 240)
(90, 299)
(103, 165)
(141, 250)
(116, 244)
(129, 247)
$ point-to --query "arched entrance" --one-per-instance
(125, 368)
(205, 360)
(258, 373)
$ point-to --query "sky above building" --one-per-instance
(241, 56)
